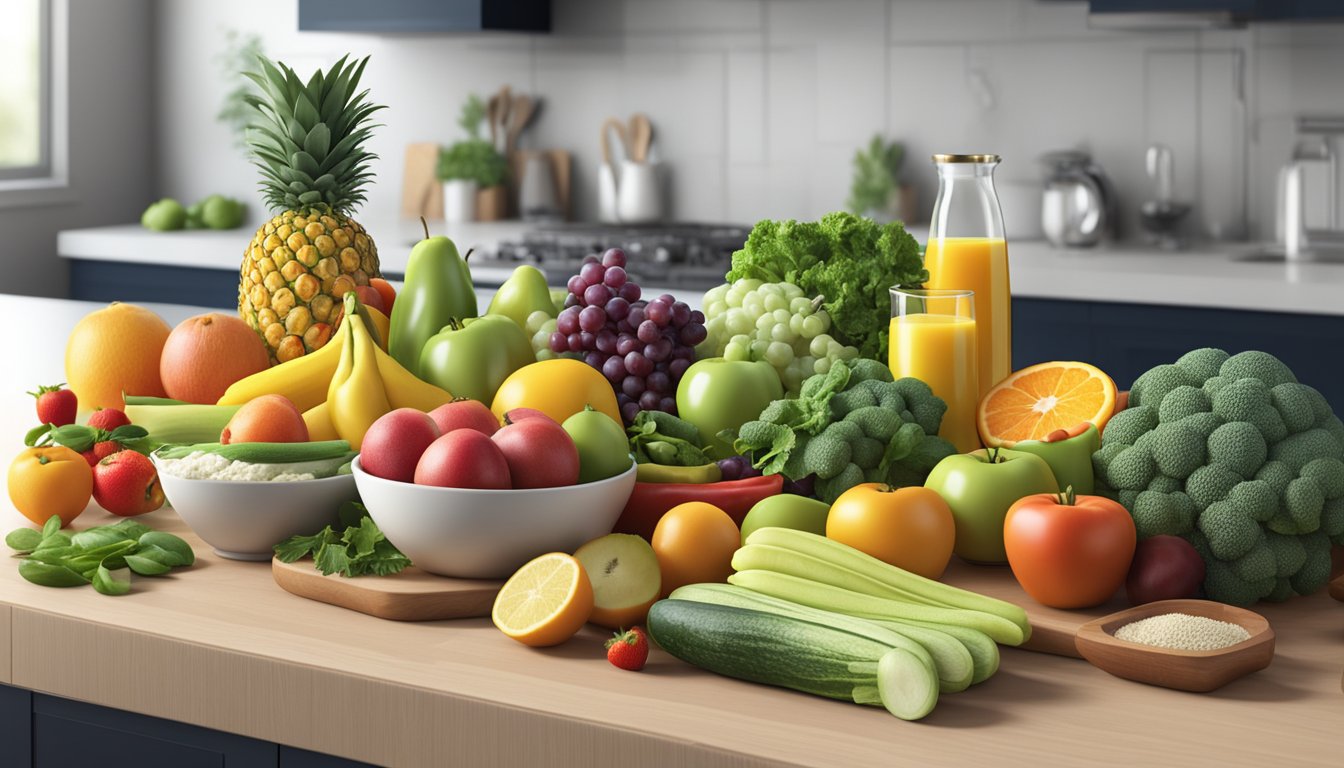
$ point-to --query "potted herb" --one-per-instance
(876, 191)
(472, 172)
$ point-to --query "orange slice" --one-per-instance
(1035, 401)
(545, 602)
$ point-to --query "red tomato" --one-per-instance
(1069, 552)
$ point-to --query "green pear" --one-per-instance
(522, 294)
(437, 290)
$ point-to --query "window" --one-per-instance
(25, 89)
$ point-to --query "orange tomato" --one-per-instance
(48, 482)
(695, 543)
(559, 388)
(1069, 552)
(910, 528)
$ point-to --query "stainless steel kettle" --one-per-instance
(1078, 204)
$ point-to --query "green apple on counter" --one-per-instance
(522, 294)
(717, 394)
(472, 357)
(604, 450)
(980, 486)
(1069, 454)
(437, 289)
(786, 510)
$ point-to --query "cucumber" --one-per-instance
(949, 659)
(790, 653)
(830, 598)
(863, 564)
(984, 651)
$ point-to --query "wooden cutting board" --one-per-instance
(412, 595)
(1052, 629)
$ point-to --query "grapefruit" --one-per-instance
(205, 354)
(115, 350)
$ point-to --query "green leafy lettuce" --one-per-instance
(848, 260)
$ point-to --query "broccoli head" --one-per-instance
(1235, 455)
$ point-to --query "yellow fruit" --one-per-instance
(1039, 399)
(558, 388)
(114, 350)
(545, 602)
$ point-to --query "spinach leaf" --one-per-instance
(147, 566)
(23, 539)
(112, 581)
(48, 575)
(170, 543)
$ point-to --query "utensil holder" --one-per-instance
(640, 193)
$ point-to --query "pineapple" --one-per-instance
(308, 142)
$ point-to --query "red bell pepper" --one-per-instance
(650, 501)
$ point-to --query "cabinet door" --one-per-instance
(293, 757)
(67, 733)
(16, 726)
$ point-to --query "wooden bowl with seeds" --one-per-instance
(1182, 666)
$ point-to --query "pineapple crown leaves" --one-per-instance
(308, 139)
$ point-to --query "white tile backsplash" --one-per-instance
(759, 105)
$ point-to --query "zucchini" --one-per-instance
(984, 651)
(948, 658)
(790, 653)
(863, 564)
(831, 598)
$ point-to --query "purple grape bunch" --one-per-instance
(642, 346)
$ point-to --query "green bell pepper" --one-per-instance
(1069, 454)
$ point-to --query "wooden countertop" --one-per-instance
(219, 645)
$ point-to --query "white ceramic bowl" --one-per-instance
(245, 520)
(482, 534)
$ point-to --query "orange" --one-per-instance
(49, 482)
(545, 602)
(114, 350)
(695, 543)
(1037, 400)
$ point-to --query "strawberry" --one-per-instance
(55, 405)
(108, 419)
(629, 650)
(101, 450)
(126, 484)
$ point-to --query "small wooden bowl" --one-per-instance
(1170, 667)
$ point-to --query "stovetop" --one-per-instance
(682, 255)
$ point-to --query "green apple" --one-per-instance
(164, 216)
(604, 450)
(522, 294)
(472, 358)
(786, 510)
(220, 212)
(437, 290)
(717, 394)
(626, 579)
(980, 486)
(1069, 454)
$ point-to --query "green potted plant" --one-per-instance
(472, 172)
(876, 190)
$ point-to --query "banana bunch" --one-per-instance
(305, 380)
(346, 385)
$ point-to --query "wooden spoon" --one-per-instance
(641, 135)
(520, 113)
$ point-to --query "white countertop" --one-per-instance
(1205, 276)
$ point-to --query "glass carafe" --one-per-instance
(967, 251)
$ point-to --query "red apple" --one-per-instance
(540, 453)
(522, 414)
(108, 419)
(394, 443)
(465, 414)
(463, 458)
(126, 484)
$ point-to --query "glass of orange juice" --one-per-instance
(933, 339)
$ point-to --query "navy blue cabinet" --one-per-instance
(1225, 10)
(424, 16)
(41, 731)
(1127, 339)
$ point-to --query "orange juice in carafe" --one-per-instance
(979, 264)
(967, 251)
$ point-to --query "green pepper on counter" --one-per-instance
(1069, 454)
(438, 288)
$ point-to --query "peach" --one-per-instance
(393, 445)
(266, 419)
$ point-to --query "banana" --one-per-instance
(356, 397)
(318, 419)
(304, 380)
(405, 390)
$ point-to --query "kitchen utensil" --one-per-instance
(1161, 218)
(537, 196)
(412, 595)
(421, 194)
(607, 204)
(560, 162)
(1077, 206)
(487, 534)
(641, 136)
(520, 114)
(1170, 667)
(244, 520)
(640, 193)
(497, 110)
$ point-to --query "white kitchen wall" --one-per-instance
(758, 105)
